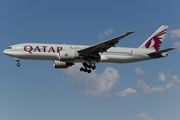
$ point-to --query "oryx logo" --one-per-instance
(157, 40)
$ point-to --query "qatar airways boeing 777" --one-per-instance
(65, 56)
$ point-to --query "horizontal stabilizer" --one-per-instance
(161, 51)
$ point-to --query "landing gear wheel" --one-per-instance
(93, 67)
(18, 64)
(89, 71)
(85, 70)
(89, 66)
(81, 69)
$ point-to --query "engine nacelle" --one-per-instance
(60, 64)
(67, 56)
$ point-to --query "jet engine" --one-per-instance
(60, 64)
(67, 56)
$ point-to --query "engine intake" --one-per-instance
(61, 65)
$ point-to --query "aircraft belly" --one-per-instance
(121, 59)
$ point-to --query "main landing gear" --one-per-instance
(87, 68)
(18, 64)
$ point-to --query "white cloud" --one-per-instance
(175, 33)
(175, 78)
(162, 77)
(139, 71)
(177, 45)
(127, 92)
(146, 89)
(145, 116)
(106, 33)
(163, 88)
(103, 84)
(94, 84)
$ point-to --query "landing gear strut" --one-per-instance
(87, 67)
(18, 64)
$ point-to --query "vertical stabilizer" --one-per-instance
(155, 40)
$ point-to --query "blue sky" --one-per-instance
(148, 90)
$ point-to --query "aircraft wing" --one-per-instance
(103, 46)
(161, 51)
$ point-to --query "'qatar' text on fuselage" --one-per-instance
(30, 49)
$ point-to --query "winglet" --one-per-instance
(131, 32)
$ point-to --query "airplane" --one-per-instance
(65, 56)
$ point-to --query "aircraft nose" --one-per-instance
(6, 52)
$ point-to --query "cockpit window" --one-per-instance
(9, 48)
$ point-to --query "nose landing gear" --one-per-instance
(18, 64)
(87, 68)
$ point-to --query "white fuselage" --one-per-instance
(36, 51)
